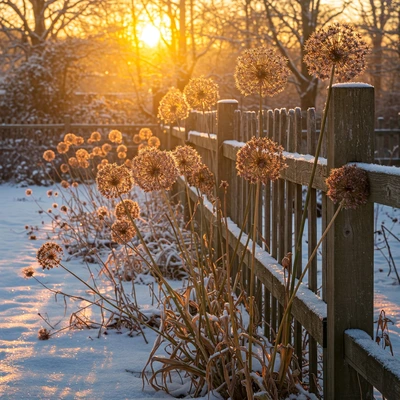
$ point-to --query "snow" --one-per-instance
(228, 101)
(352, 85)
(382, 169)
(78, 363)
(305, 157)
(364, 340)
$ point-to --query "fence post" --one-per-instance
(350, 241)
(225, 131)
(67, 123)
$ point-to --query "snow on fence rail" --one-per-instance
(345, 299)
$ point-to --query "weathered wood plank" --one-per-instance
(350, 239)
(376, 365)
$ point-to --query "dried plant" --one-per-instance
(201, 93)
(338, 45)
(173, 107)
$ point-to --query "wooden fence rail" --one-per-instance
(339, 293)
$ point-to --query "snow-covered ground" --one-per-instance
(78, 364)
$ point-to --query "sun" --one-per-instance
(150, 35)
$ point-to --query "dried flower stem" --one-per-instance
(286, 315)
(252, 276)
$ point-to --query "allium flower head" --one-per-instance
(49, 155)
(349, 185)
(95, 136)
(145, 134)
(136, 139)
(203, 179)
(97, 151)
(84, 163)
(28, 272)
(113, 180)
(62, 147)
(141, 147)
(106, 147)
(201, 93)
(64, 168)
(122, 231)
(260, 160)
(122, 148)
(43, 334)
(154, 169)
(28, 192)
(70, 138)
(127, 209)
(173, 106)
(79, 140)
(261, 71)
(82, 154)
(64, 184)
(128, 163)
(338, 45)
(121, 155)
(49, 255)
(154, 141)
(187, 159)
(73, 162)
(115, 136)
(102, 212)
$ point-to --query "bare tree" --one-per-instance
(26, 25)
(291, 23)
(381, 21)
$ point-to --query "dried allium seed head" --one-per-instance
(122, 231)
(154, 169)
(261, 71)
(64, 208)
(260, 160)
(49, 193)
(141, 147)
(349, 185)
(154, 141)
(104, 162)
(49, 155)
(173, 106)
(102, 212)
(204, 180)
(75, 184)
(115, 136)
(95, 136)
(64, 168)
(49, 255)
(84, 163)
(82, 154)
(122, 148)
(136, 139)
(28, 272)
(54, 205)
(79, 140)
(201, 93)
(121, 155)
(113, 180)
(43, 334)
(97, 151)
(127, 208)
(62, 147)
(69, 138)
(187, 159)
(339, 45)
(28, 192)
(73, 162)
(128, 163)
(106, 147)
(64, 184)
(145, 134)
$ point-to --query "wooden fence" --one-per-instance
(333, 311)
